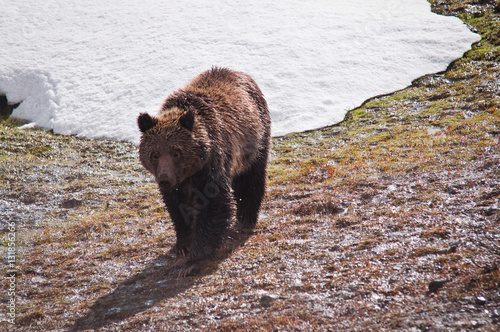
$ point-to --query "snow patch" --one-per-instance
(89, 68)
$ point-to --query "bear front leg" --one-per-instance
(181, 247)
(249, 189)
(182, 217)
(210, 223)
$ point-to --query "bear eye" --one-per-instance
(154, 156)
(176, 153)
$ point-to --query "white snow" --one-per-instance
(90, 67)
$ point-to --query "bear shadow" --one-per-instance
(158, 282)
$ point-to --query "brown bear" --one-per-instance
(208, 149)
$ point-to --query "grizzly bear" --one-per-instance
(207, 149)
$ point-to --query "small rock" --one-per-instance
(38, 280)
(495, 313)
(335, 247)
(266, 301)
(71, 203)
(296, 284)
(436, 285)
(113, 311)
(490, 211)
(480, 300)
(453, 248)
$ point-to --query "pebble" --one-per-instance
(436, 285)
(266, 301)
(495, 313)
(38, 279)
(480, 300)
(71, 204)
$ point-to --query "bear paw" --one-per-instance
(189, 269)
(180, 250)
(192, 268)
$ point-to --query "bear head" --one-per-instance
(173, 146)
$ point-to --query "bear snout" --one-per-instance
(165, 185)
(165, 174)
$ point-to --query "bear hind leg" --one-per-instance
(249, 189)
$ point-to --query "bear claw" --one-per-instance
(192, 268)
(189, 270)
(180, 251)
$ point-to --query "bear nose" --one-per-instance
(165, 181)
(165, 175)
(164, 184)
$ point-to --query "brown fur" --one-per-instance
(207, 147)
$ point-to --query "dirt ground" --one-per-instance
(387, 221)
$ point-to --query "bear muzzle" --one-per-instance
(165, 174)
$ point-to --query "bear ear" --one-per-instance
(187, 120)
(146, 122)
